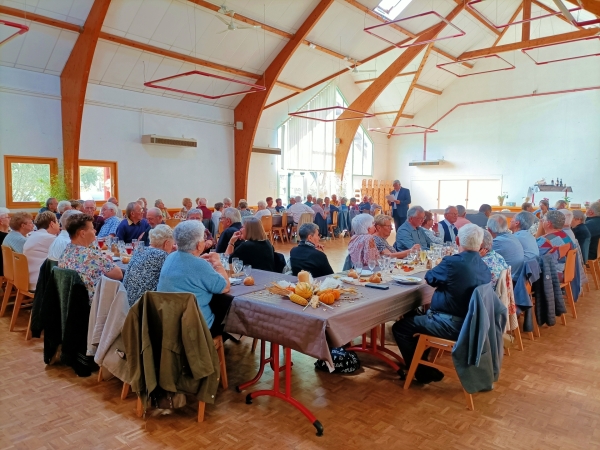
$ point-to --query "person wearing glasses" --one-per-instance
(383, 229)
(232, 222)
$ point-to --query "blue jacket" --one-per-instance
(401, 209)
(455, 279)
(478, 352)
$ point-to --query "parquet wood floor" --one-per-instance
(547, 398)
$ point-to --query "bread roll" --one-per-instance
(248, 281)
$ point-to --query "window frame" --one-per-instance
(12, 159)
(114, 167)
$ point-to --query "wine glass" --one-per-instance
(238, 266)
(129, 248)
(393, 261)
(247, 269)
(372, 264)
(423, 256)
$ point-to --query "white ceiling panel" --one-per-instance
(62, 51)
(38, 44)
(121, 13)
(73, 11)
(105, 51)
(121, 65)
(149, 15)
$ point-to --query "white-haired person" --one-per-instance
(63, 205)
(111, 220)
(38, 244)
(506, 243)
(454, 280)
(411, 232)
(206, 213)
(59, 245)
(158, 203)
(232, 222)
(554, 237)
(362, 247)
(188, 270)
(144, 268)
(89, 208)
(298, 208)
(262, 209)
(495, 262)
(520, 225)
(227, 203)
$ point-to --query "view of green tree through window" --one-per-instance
(29, 181)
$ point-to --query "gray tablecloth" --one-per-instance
(315, 331)
(277, 219)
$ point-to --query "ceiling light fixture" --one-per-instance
(472, 3)
(325, 114)
(21, 29)
(391, 130)
(443, 66)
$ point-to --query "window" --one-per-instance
(390, 9)
(362, 154)
(27, 180)
(98, 180)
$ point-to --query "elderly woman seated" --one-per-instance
(243, 207)
(163, 210)
(209, 241)
(21, 224)
(427, 229)
(144, 268)
(495, 262)
(38, 245)
(383, 229)
(309, 255)
(254, 249)
(187, 270)
(361, 248)
(87, 261)
(554, 237)
(187, 205)
(320, 217)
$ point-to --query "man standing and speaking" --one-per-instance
(399, 200)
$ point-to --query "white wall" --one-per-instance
(113, 123)
(520, 141)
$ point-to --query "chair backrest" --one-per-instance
(377, 211)
(221, 226)
(7, 263)
(21, 272)
(569, 272)
(563, 249)
(267, 223)
(305, 218)
(334, 219)
(172, 222)
(284, 218)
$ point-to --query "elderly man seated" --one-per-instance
(462, 216)
(520, 225)
(309, 200)
(309, 254)
(51, 205)
(209, 241)
(593, 225)
(206, 213)
(581, 232)
(299, 208)
(505, 243)
(89, 208)
(232, 222)
(115, 202)
(111, 221)
(447, 228)
(262, 209)
(227, 203)
(410, 232)
(154, 217)
(455, 279)
(554, 237)
(134, 226)
(481, 217)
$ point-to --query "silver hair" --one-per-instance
(195, 211)
(93, 201)
(556, 219)
(62, 205)
(202, 201)
(65, 217)
(361, 223)
(154, 209)
(188, 235)
(568, 217)
(488, 240)
(497, 224)
(577, 214)
(298, 199)
(412, 212)
(307, 229)
(461, 210)
(4, 211)
(232, 214)
(157, 202)
(448, 208)
(396, 181)
(112, 207)
(595, 208)
(560, 204)
(160, 234)
(262, 203)
(525, 219)
(470, 237)
(227, 200)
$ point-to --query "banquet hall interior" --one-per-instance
(299, 224)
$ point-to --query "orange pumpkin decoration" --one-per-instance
(327, 297)
(337, 293)
(304, 290)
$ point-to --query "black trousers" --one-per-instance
(219, 306)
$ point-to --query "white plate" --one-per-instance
(116, 258)
(350, 280)
(366, 273)
(406, 280)
(235, 281)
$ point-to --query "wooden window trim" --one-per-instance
(102, 163)
(10, 159)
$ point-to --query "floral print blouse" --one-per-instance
(496, 263)
(142, 273)
(89, 263)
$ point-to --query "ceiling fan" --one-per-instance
(352, 68)
(231, 25)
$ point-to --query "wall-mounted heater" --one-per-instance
(166, 140)
(435, 162)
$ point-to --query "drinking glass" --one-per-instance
(423, 256)
(358, 268)
(247, 269)
(393, 261)
(224, 261)
(129, 248)
(238, 265)
(372, 264)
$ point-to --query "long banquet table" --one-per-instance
(259, 314)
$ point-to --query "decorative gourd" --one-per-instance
(352, 274)
(336, 294)
(248, 281)
(298, 300)
(327, 297)
(304, 290)
(303, 276)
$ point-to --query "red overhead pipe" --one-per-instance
(542, 94)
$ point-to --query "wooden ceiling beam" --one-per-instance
(40, 19)
(592, 6)
(450, 57)
(289, 86)
(526, 26)
(374, 15)
(481, 20)
(553, 11)
(427, 89)
(346, 130)
(405, 74)
(412, 86)
(73, 84)
(402, 116)
(505, 29)
(249, 110)
(556, 39)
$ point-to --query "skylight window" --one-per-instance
(391, 9)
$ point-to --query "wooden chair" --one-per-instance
(24, 296)
(218, 341)
(282, 230)
(333, 225)
(536, 328)
(221, 229)
(9, 277)
(304, 218)
(593, 268)
(568, 276)
(442, 345)
(377, 211)
(267, 223)
(172, 222)
(563, 250)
